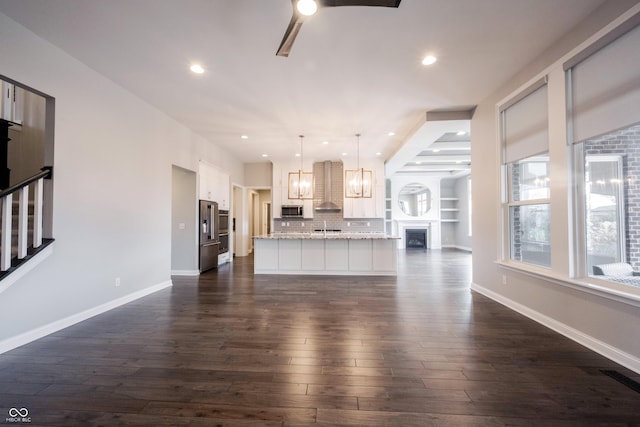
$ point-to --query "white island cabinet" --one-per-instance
(357, 254)
(336, 255)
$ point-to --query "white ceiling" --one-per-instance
(351, 69)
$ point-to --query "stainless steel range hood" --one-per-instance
(327, 204)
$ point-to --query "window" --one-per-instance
(603, 101)
(609, 201)
(528, 210)
(423, 204)
(604, 207)
(526, 201)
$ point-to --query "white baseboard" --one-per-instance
(625, 359)
(27, 337)
(185, 273)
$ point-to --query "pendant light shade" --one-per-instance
(300, 182)
(358, 182)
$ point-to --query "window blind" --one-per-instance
(525, 123)
(605, 88)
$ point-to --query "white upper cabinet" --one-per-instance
(214, 185)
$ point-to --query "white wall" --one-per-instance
(112, 189)
(606, 324)
(258, 174)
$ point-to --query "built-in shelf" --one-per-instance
(449, 209)
(388, 215)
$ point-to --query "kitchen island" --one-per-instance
(350, 254)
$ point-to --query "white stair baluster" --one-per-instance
(5, 245)
(37, 212)
(23, 221)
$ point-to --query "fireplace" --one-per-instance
(416, 238)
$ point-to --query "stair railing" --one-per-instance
(6, 209)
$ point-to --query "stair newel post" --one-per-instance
(5, 245)
(38, 199)
(23, 221)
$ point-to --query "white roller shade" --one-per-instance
(525, 124)
(606, 88)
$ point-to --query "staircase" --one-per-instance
(21, 223)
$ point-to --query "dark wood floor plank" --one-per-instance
(231, 349)
(110, 419)
(231, 412)
(410, 419)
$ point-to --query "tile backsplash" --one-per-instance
(334, 222)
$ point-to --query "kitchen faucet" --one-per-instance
(325, 228)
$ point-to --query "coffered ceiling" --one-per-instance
(351, 69)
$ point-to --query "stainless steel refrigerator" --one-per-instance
(209, 242)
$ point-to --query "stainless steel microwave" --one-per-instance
(292, 211)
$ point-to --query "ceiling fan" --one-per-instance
(304, 8)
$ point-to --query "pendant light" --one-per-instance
(300, 182)
(358, 181)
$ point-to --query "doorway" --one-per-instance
(266, 218)
(184, 251)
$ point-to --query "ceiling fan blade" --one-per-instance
(381, 3)
(290, 34)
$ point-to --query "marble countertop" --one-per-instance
(328, 235)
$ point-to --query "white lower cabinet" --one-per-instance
(385, 256)
(223, 258)
(360, 257)
(268, 259)
(313, 255)
(290, 255)
(337, 255)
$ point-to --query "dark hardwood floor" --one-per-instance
(232, 349)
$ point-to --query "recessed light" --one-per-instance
(391, 133)
(344, 154)
(265, 155)
(418, 162)
(297, 154)
(244, 137)
(429, 59)
(196, 68)
(460, 133)
(325, 142)
(436, 150)
(378, 154)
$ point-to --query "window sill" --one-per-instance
(617, 292)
